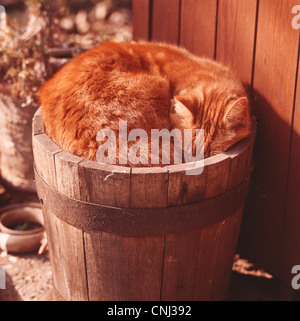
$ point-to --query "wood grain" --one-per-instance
(236, 35)
(118, 267)
(273, 85)
(291, 235)
(107, 185)
(207, 260)
(198, 26)
(218, 169)
(38, 123)
(123, 268)
(226, 251)
(44, 150)
(180, 266)
(165, 20)
(149, 187)
(66, 168)
(141, 19)
(183, 188)
(67, 257)
(239, 155)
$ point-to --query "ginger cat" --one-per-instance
(149, 85)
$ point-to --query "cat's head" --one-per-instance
(225, 121)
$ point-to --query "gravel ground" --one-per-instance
(29, 278)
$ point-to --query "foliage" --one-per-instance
(22, 60)
(25, 42)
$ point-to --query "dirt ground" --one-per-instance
(29, 276)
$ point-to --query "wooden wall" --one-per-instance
(257, 39)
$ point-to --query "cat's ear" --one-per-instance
(237, 111)
(187, 101)
(182, 111)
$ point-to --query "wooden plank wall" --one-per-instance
(257, 39)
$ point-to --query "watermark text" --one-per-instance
(2, 18)
(296, 279)
(296, 18)
(183, 149)
(2, 278)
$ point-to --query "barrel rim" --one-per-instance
(232, 152)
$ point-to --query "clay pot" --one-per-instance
(21, 241)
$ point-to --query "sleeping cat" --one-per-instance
(149, 85)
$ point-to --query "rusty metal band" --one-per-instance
(140, 222)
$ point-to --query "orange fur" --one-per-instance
(151, 86)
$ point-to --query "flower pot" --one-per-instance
(21, 241)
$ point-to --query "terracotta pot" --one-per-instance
(17, 241)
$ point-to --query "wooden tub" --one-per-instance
(119, 233)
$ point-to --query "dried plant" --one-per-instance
(24, 47)
(22, 54)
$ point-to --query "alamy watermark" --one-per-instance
(2, 18)
(296, 18)
(2, 278)
(295, 280)
(139, 153)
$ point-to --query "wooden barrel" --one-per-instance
(119, 233)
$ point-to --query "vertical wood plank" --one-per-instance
(218, 170)
(198, 26)
(149, 187)
(67, 257)
(66, 166)
(38, 123)
(180, 266)
(123, 268)
(207, 260)
(181, 250)
(141, 19)
(250, 161)
(44, 150)
(165, 20)
(107, 185)
(291, 236)
(183, 188)
(274, 87)
(218, 173)
(240, 156)
(226, 252)
(236, 35)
